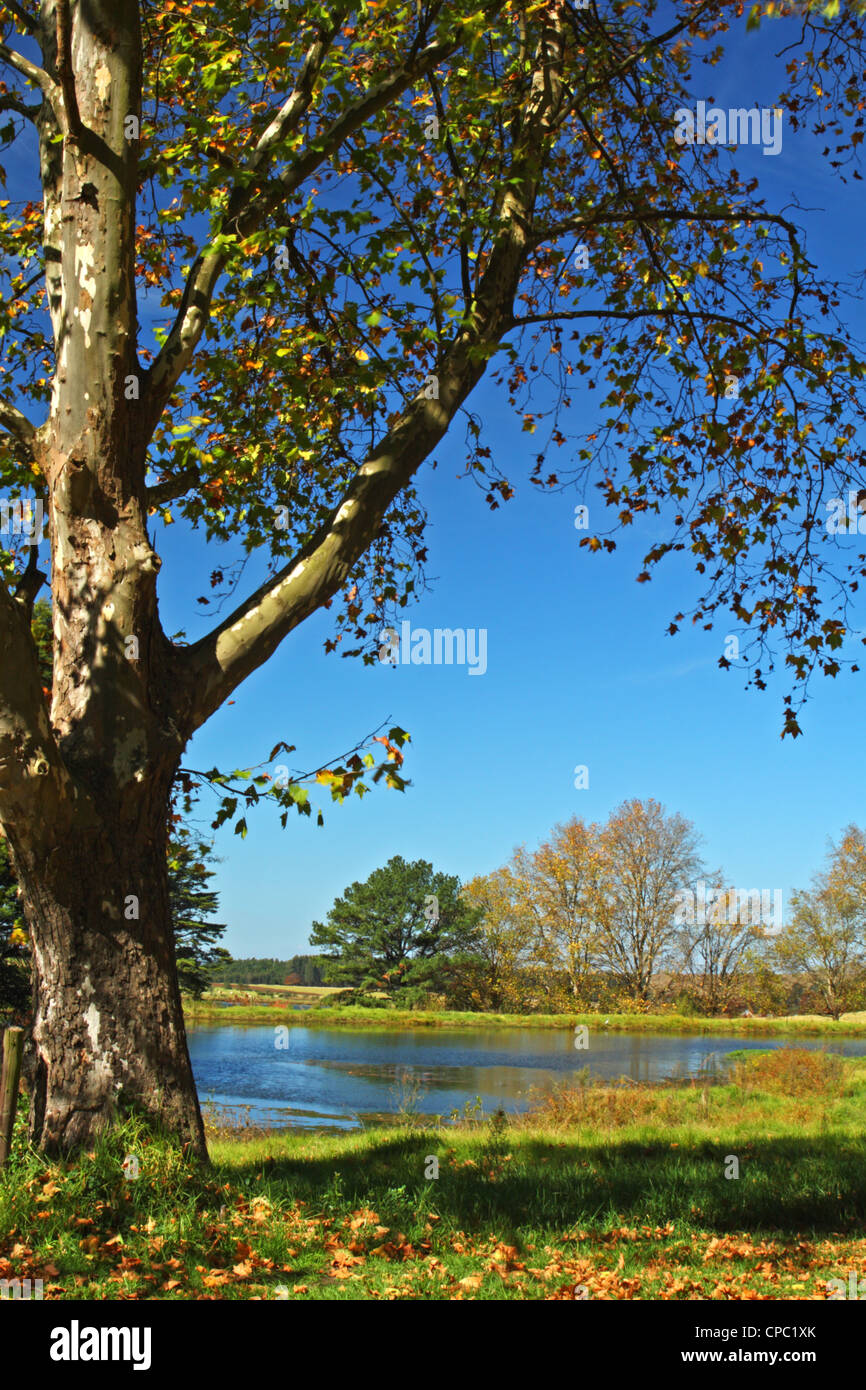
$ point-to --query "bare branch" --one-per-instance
(34, 74)
(16, 424)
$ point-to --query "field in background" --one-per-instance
(266, 996)
(319, 991)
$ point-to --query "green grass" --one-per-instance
(355, 1016)
(619, 1189)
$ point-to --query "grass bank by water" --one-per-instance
(796, 1026)
(619, 1190)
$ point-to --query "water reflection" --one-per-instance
(339, 1078)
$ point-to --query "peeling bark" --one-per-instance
(108, 1035)
(84, 792)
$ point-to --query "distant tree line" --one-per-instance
(598, 916)
(267, 970)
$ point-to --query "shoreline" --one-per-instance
(795, 1026)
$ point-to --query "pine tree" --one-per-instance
(396, 932)
(192, 904)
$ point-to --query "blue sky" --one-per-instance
(579, 671)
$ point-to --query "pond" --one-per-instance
(335, 1078)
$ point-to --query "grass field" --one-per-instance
(619, 1191)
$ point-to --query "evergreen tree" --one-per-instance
(193, 903)
(397, 931)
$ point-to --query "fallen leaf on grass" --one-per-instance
(363, 1217)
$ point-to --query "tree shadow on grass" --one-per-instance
(788, 1186)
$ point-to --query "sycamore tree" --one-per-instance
(718, 944)
(193, 904)
(256, 260)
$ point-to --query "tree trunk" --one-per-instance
(85, 788)
(108, 1034)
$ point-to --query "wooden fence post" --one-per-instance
(10, 1074)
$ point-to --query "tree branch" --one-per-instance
(28, 21)
(287, 118)
(171, 488)
(9, 101)
(660, 312)
(30, 582)
(211, 669)
(248, 207)
(639, 215)
(16, 424)
(38, 76)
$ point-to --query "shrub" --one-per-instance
(790, 1071)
